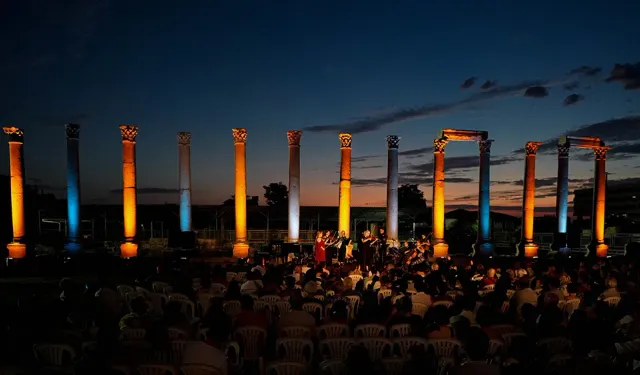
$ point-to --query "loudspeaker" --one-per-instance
(188, 240)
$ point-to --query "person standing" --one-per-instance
(365, 250)
(320, 248)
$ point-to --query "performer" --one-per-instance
(381, 246)
(342, 244)
(331, 245)
(320, 252)
(365, 249)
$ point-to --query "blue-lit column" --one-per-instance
(562, 198)
(73, 188)
(294, 136)
(184, 172)
(483, 243)
(393, 141)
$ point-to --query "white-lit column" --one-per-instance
(344, 210)
(393, 141)
(184, 176)
(241, 246)
(483, 242)
(294, 136)
(562, 198)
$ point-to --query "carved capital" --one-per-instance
(563, 150)
(73, 131)
(601, 152)
(239, 135)
(294, 136)
(345, 140)
(184, 138)
(393, 141)
(15, 134)
(439, 145)
(484, 146)
(129, 132)
(530, 148)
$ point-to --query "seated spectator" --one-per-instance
(476, 347)
(439, 329)
(297, 317)
(611, 290)
(248, 316)
(173, 317)
(209, 352)
(138, 317)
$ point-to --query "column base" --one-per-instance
(241, 250)
(527, 249)
(128, 250)
(441, 250)
(483, 249)
(72, 248)
(597, 249)
(17, 250)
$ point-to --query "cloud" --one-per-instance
(472, 207)
(489, 85)
(572, 99)
(407, 178)
(627, 74)
(468, 83)
(571, 86)
(369, 167)
(586, 71)
(148, 191)
(461, 163)
(536, 92)
(416, 152)
(362, 159)
(377, 122)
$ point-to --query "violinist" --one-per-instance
(365, 249)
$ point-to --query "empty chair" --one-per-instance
(332, 330)
(159, 286)
(370, 330)
(295, 350)
(314, 308)
(56, 357)
(400, 330)
(445, 347)
(251, 339)
(377, 347)
(295, 332)
(404, 344)
(270, 298)
(337, 348)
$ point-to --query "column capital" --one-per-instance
(601, 152)
(15, 134)
(129, 133)
(439, 145)
(345, 140)
(294, 136)
(73, 131)
(393, 141)
(239, 135)
(563, 150)
(184, 138)
(531, 148)
(484, 146)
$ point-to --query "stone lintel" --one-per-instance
(581, 142)
(464, 135)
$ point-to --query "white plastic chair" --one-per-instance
(157, 301)
(295, 332)
(133, 334)
(399, 330)
(393, 366)
(55, 356)
(332, 367)
(383, 293)
(177, 334)
(612, 301)
(377, 347)
(159, 287)
(251, 339)
(332, 330)
(313, 308)
(354, 303)
(355, 279)
(270, 298)
(124, 289)
(419, 309)
(445, 347)
(404, 344)
(446, 304)
(178, 297)
(295, 350)
(370, 330)
(232, 308)
(285, 368)
(337, 348)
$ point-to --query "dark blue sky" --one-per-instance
(209, 66)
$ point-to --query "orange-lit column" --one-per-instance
(526, 245)
(597, 244)
(344, 210)
(440, 246)
(129, 248)
(17, 248)
(294, 136)
(240, 247)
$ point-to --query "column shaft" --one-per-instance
(440, 247)
(527, 246)
(17, 248)
(344, 215)
(598, 245)
(562, 198)
(392, 186)
(129, 190)
(484, 199)
(241, 246)
(293, 137)
(73, 187)
(184, 160)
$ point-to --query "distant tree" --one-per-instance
(252, 201)
(230, 202)
(410, 197)
(276, 194)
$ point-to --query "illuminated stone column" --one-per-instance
(293, 136)
(240, 247)
(17, 248)
(526, 246)
(73, 188)
(184, 160)
(393, 142)
(344, 215)
(129, 248)
(483, 242)
(440, 246)
(597, 245)
(562, 198)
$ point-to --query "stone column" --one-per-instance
(344, 210)
(483, 242)
(293, 136)
(241, 246)
(129, 248)
(17, 248)
(184, 160)
(562, 199)
(597, 246)
(440, 246)
(73, 189)
(526, 246)
(393, 142)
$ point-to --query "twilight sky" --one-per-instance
(374, 68)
